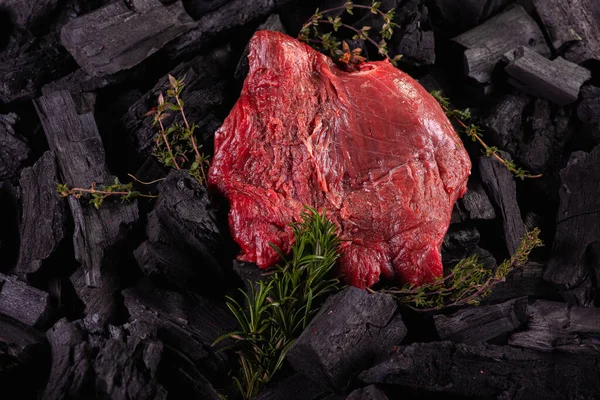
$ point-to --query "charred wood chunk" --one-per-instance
(466, 14)
(185, 219)
(117, 37)
(187, 324)
(488, 371)
(475, 205)
(371, 392)
(574, 266)
(90, 359)
(294, 387)
(558, 80)
(166, 264)
(13, 150)
(26, 15)
(462, 242)
(588, 109)
(486, 44)
(558, 326)
(499, 184)
(99, 233)
(352, 329)
(27, 66)
(573, 27)
(22, 302)
(539, 142)
(44, 215)
(204, 95)
(526, 281)
(484, 323)
(416, 44)
(24, 358)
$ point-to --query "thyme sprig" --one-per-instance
(176, 145)
(474, 132)
(280, 306)
(310, 33)
(97, 196)
(468, 281)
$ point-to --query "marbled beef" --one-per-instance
(372, 147)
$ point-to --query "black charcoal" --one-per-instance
(486, 44)
(90, 359)
(588, 109)
(20, 341)
(14, 150)
(525, 281)
(558, 80)
(556, 326)
(416, 44)
(165, 264)
(22, 302)
(73, 136)
(573, 27)
(499, 184)
(295, 387)
(351, 331)
(117, 37)
(203, 95)
(573, 266)
(475, 205)
(467, 14)
(43, 215)
(371, 392)
(488, 371)
(483, 323)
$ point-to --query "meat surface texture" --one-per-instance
(371, 147)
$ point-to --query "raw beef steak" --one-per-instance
(372, 147)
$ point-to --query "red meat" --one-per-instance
(372, 147)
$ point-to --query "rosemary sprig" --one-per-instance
(329, 43)
(97, 196)
(176, 145)
(281, 306)
(474, 133)
(468, 281)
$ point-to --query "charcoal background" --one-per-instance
(147, 332)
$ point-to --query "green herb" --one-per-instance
(280, 306)
(176, 145)
(97, 196)
(467, 282)
(311, 34)
(474, 133)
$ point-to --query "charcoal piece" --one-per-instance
(525, 281)
(483, 323)
(466, 14)
(558, 80)
(537, 143)
(26, 67)
(416, 45)
(294, 387)
(572, 27)
(475, 205)
(459, 243)
(203, 95)
(190, 325)
(90, 359)
(43, 216)
(573, 265)
(352, 329)
(588, 109)
(558, 326)
(182, 378)
(371, 392)
(20, 341)
(486, 44)
(26, 15)
(273, 23)
(198, 8)
(14, 151)
(499, 184)
(165, 264)
(131, 35)
(229, 15)
(22, 302)
(185, 218)
(489, 371)
(99, 233)
(248, 273)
